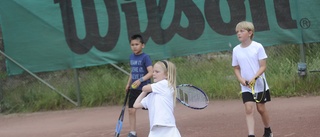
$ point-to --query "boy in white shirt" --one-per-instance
(249, 62)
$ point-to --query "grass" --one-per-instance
(104, 85)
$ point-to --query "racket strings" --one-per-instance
(192, 97)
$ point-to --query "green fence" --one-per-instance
(104, 85)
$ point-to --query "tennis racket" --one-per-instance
(192, 96)
(261, 82)
(120, 120)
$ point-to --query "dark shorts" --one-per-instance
(133, 95)
(262, 97)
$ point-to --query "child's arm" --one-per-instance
(145, 77)
(236, 70)
(263, 67)
(149, 74)
(137, 103)
(145, 90)
(128, 83)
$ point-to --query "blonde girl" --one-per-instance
(161, 100)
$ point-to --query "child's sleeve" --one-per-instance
(262, 53)
(148, 61)
(234, 59)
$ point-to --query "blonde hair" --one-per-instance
(171, 72)
(247, 26)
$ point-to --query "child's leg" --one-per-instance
(132, 119)
(264, 114)
(132, 111)
(265, 119)
(249, 108)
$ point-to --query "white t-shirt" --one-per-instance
(160, 104)
(248, 60)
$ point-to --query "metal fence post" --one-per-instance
(76, 78)
(302, 65)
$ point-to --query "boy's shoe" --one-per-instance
(267, 134)
(251, 136)
(144, 108)
(131, 135)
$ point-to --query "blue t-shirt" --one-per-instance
(139, 64)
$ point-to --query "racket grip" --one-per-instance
(247, 83)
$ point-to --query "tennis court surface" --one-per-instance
(290, 117)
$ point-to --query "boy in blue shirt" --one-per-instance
(141, 72)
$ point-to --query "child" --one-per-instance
(161, 100)
(249, 62)
(141, 72)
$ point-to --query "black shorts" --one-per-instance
(133, 95)
(263, 98)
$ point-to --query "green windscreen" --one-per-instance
(49, 35)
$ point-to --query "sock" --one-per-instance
(133, 132)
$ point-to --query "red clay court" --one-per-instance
(290, 117)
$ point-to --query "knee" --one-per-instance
(132, 111)
(249, 111)
(261, 110)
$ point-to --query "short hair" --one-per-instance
(247, 26)
(137, 37)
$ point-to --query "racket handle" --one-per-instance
(247, 83)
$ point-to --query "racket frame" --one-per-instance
(186, 104)
(120, 119)
(255, 95)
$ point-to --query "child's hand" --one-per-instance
(135, 84)
(252, 81)
(244, 82)
(127, 87)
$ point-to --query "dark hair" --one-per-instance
(137, 37)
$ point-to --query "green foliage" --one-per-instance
(104, 85)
